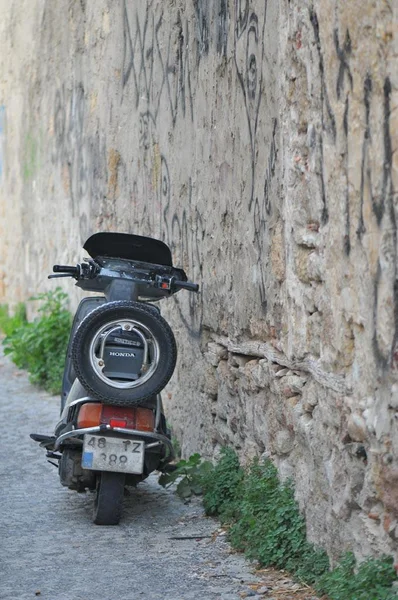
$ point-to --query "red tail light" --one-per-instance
(118, 423)
(93, 414)
(142, 419)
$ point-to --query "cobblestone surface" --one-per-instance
(50, 549)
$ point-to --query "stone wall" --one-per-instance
(257, 139)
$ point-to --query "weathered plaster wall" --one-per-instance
(257, 139)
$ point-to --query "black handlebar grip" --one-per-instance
(187, 285)
(65, 269)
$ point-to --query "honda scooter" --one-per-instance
(112, 431)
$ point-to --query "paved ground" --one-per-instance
(49, 548)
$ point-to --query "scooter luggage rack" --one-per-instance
(159, 438)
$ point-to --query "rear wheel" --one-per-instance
(109, 498)
(123, 353)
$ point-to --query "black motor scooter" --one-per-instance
(120, 356)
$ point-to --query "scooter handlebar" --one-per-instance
(66, 269)
(187, 285)
(85, 271)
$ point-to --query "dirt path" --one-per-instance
(49, 548)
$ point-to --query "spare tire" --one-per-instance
(124, 352)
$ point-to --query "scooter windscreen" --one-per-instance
(129, 246)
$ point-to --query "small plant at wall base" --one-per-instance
(265, 522)
(40, 346)
(223, 487)
(271, 529)
(9, 323)
(176, 445)
(371, 580)
(174, 440)
(190, 475)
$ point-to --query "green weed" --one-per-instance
(9, 323)
(222, 487)
(40, 346)
(265, 522)
(371, 580)
(190, 475)
(270, 528)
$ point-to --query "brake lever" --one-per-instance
(59, 275)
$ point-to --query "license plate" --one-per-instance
(102, 453)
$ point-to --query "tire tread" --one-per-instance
(109, 498)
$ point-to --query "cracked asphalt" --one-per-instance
(50, 549)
